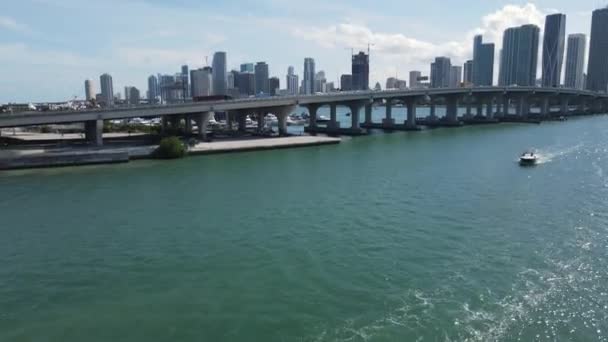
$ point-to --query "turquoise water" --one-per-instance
(419, 236)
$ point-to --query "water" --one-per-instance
(419, 236)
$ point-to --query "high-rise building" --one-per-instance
(455, 76)
(391, 83)
(483, 62)
(440, 72)
(309, 76)
(261, 78)
(553, 49)
(519, 56)
(320, 82)
(132, 96)
(597, 69)
(292, 82)
(247, 67)
(201, 81)
(575, 61)
(360, 71)
(107, 89)
(468, 72)
(89, 90)
(186, 81)
(153, 93)
(275, 85)
(346, 82)
(415, 79)
(219, 73)
(245, 82)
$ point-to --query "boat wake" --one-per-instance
(552, 154)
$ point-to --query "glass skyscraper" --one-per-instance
(219, 73)
(519, 57)
(553, 49)
(597, 69)
(575, 61)
(483, 62)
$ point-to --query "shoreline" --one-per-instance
(65, 156)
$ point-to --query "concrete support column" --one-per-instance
(480, 102)
(499, 104)
(242, 117)
(564, 105)
(582, 106)
(174, 121)
(188, 125)
(469, 107)
(522, 106)
(312, 112)
(388, 120)
(229, 120)
(164, 123)
(452, 108)
(202, 122)
(333, 116)
(354, 115)
(282, 113)
(368, 113)
(260, 115)
(411, 112)
(433, 110)
(490, 108)
(93, 131)
(545, 110)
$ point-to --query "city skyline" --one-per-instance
(393, 53)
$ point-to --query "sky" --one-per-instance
(49, 47)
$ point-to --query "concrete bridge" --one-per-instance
(483, 105)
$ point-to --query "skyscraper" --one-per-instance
(575, 61)
(89, 90)
(153, 89)
(309, 76)
(132, 95)
(292, 81)
(468, 72)
(519, 56)
(107, 89)
(360, 71)
(320, 82)
(219, 73)
(261, 78)
(185, 81)
(247, 67)
(415, 79)
(597, 69)
(455, 76)
(346, 82)
(201, 82)
(553, 49)
(440, 72)
(245, 82)
(483, 62)
(274, 85)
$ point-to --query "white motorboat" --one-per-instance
(528, 159)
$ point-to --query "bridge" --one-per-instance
(481, 105)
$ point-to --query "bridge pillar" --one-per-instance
(469, 107)
(545, 109)
(355, 107)
(242, 121)
(260, 115)
(388, 121)
(433, 110)
(333, 116)
(490, 108)
(282, 113)
(202, 122)
(187, 125)
(582, 106)
(174, 121)
(564, 104)
(312, 112)
(480, 102)
(523, 107)
(596, 106)
(411, 113)
(368, 113)
(229, 120)
(164, 123)
(452, 108)
(93, 131)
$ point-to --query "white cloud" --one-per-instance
(395, 51)
(7, 23)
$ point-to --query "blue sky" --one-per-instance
(49, 47)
